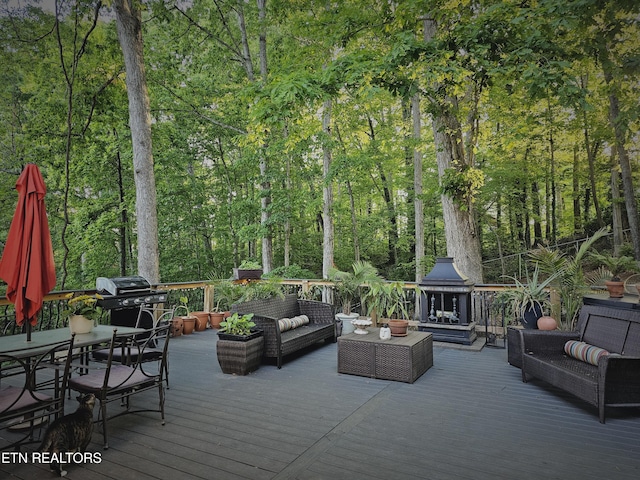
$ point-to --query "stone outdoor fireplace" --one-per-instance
(445, 304)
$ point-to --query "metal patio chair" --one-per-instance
(127, 372)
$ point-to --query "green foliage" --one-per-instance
(183, 305)
(616, 265)
(387, 299)
(262, 289)
(526, 296)
(349, 285)
(250, 265)
(462, 184)
(522, 75)
(567, 273)
(238, 325)
(225, 294)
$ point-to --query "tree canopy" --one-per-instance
(537, 99)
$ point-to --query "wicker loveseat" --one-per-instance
(614, 379)
(277, 343)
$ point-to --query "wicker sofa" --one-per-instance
(277, 343)
(613, 381)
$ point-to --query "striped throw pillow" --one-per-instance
(291, 323)
(583, 351)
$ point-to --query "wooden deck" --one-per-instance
(468, 417)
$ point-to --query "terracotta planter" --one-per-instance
(177, 326)
(398, 327)
(616, 289)
(202, 320)
(547, 323)
(189, 325)
(215, 318)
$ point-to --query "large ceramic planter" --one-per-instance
(239, 355)
(80, 324)
(188, 325)
(215, 318)
(345, 318)
(530, 317)
(202, 320)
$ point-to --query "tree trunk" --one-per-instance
(461, 231)
(265, 202)
(418, 204)
(129, 26)
(123, 217)
(616, 206)
(552, 194)
(354, 224)
(623, 156)
(577, 215)
(591, 159)
(327, 194)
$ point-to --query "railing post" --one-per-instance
(208, 298)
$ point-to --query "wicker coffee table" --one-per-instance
(402, 359)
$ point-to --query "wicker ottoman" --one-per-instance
(402, 359)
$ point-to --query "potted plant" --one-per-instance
(350, 285)
(570, 280)
(528, 301)
(240, 345)
(83, 312)
(248, 270)
(188, 320)
(615, 265)
(225, 294)
(388, 301)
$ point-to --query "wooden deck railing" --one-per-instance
(201, 294)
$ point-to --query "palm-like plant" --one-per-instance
(349, 285)
(570, 281)
(616, 265)
(388, 299)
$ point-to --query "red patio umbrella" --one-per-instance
(27, 261)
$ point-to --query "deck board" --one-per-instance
(468, 417)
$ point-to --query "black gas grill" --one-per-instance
(125, 298)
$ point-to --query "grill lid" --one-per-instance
(122, 285)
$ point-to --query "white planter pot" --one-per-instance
(80, 324)
(347, 326)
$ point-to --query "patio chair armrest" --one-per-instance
(540, 341)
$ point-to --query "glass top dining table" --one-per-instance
(18, 344)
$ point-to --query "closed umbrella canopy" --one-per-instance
(27, 263)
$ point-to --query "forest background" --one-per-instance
(313, 129)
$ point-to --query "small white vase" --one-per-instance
(80, 324)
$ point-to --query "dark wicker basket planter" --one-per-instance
(242, 274)
(240, 355)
